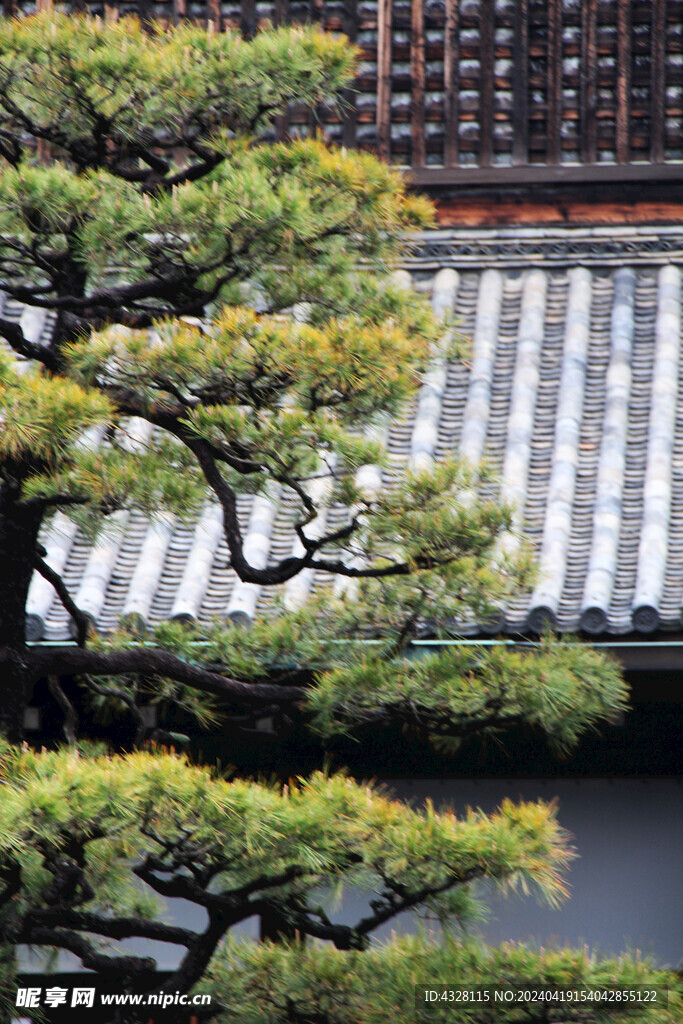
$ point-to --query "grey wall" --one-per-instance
(626, 887)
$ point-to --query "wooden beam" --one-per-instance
(589, 81)
(520, 83)
(417, 75)
(384, 13)
(179, 11)
(451, 83)
(539, 174)
(658, 81)
(623, 142)
(554, 82)
(487, 15)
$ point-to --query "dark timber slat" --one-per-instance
(486, 95)
(281, 17)
(417, 74)
(315, 14)
(144, 11)
(451, 83)
(589, 75)
(658, 81)
(384, 78)
(248, 18)
(477, 83)
(554, 75)
(349, 105)
(623, 80)
(520, 84)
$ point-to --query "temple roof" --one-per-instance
(573, 392)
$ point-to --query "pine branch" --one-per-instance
(15, 337)
(125, 698)
(156, 662)
(81, 620)
(112, 927)
(89, 956)
(70, 725)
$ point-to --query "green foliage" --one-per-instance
(81, 833)
(225, 322)
(43, 418)
(561, 690)
(278, 984)
(91, 87)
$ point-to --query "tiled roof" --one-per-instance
(573, 391)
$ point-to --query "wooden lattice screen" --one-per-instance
(473, 84)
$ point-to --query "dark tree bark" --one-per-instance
(19, 528)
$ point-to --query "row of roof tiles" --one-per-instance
(573, 391)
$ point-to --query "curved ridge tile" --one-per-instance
(652, 550)
(520, 426)
(477, 409)
(148, 570)
(244, 598)
(369, 478)
(425, 433)
(602, 565)
(320, 491)
(205, 540)
(558, 519)
(41, 594)
(33, 321)
(92, 591)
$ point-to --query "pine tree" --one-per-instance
(226, 321)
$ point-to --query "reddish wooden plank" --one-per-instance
(484, 212)
(487, 14)
(348, 100)
(417, 75)
(658, 82)
(214, 17)
(451, 82)
(588, 79)
(384, 13)
(179, 10)
(623, 146)
(520, 83)
(554, 82)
